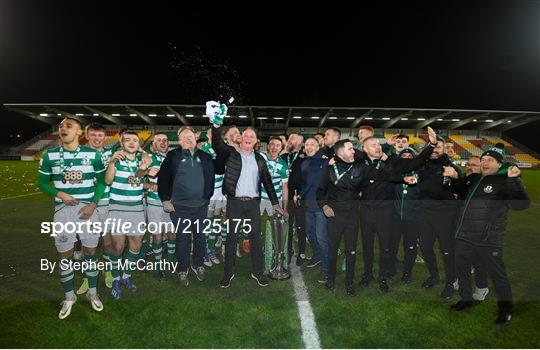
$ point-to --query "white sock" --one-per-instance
(92, 291)
(70, 295)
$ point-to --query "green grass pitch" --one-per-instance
(245, 315)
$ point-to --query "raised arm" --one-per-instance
(222, 150)
(516, 195)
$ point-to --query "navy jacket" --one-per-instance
(311, 171)
(167, 173)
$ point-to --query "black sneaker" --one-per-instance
(199, 272)
(162, 276)
(261, 279)
(183, 280)
(323, 277)
(350, 290)
(313, 263)
(300, 259)
(448, 291)
(226, 281)
(383, 286)
(504, 318)
(365, 280)
(462, 305)
(430, 282)
(406, 278)
(391, 273)
(330, 285)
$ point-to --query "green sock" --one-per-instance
(146, 247)
(131, 257)
(66, 277)
(158, 251)
(91, 273)
(171, 248)
(115, 271)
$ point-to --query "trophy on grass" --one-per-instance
(280, 232)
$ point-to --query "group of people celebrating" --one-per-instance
(325, 186)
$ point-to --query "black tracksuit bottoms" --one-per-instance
(297, 218)
(376, 220)
(490, 260)
(409, 230)
(345, 223)
(438, 225)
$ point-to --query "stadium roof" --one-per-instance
(279, 117)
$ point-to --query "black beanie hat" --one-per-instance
(407, 150)
(496, 152)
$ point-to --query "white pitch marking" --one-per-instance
(22, 195)
(310, 336)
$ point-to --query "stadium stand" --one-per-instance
(470, 136)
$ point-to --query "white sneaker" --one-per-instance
(419, 259)
(65, 311)
(77, 255)
(97, 305)
(214, 258)
(207, 261)
(456, 285)
(480, 294)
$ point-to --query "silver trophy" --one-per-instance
(280, 228)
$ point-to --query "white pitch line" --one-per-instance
(310, 336)
(22, 195)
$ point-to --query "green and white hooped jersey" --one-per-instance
(127, 189)
(152, 198)
(72, 172)
(279, 174)
(106, 154)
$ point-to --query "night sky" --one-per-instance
(469, 55)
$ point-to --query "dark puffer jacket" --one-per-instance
(233, 167)
(435, 193)
(485, 209)
(379, 193)
(343, 194)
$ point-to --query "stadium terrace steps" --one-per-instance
(464, 145)
(464, 141)
(518, 155)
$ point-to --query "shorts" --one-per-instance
(266, 205)
(118, 220)
(67, 235)
(161, 220)
(103, 213)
